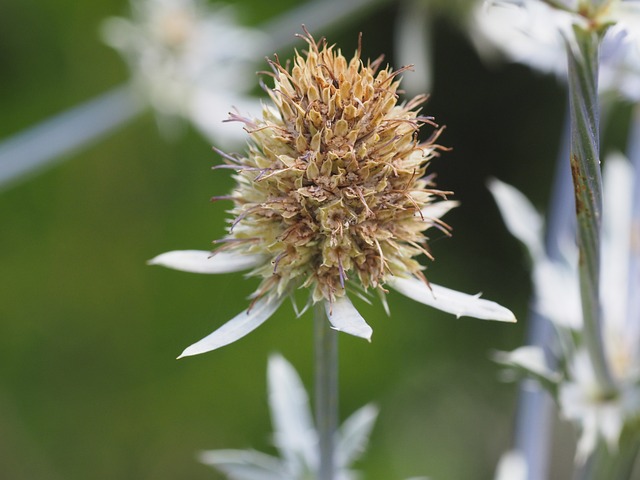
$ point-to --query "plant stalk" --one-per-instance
(326, 390)
(534, 421)
(633, 152)
(587, 183)
(603, 464)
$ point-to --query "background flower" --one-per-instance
(189, 60)
(596, 414)
(295, 436)
(533, 33)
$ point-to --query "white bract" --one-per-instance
(598, 416)
(557, 297)
(341, 313)
(527, 32)
(512, 466)
(536, 34)
(555, 282)
(295, 436)
(189, 60)
(620, 56)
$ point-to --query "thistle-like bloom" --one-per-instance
(189, 60)
(295, 436)
(332, 197)
(599, 415)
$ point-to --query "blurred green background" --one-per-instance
(89, 384)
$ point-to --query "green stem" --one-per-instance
(326, 390)
(587, 182)
(619, 465)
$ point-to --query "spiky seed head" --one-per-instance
(333, 184)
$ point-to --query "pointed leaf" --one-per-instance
(344, 317)
(530, 360)
(236, 328)
(512, 466)
(451, 301)
(244, 464)
(413, 40)
(437, 210)
(617, 234)
(520, 217)
(354, 435)
(557, 292)
(294, 432)
(201, 261)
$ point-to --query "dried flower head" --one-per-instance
(333, 184)
(332, 195)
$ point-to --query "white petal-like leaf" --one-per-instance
(451, 301)
(354, 435)
(521, 218)
(244, 464)
(557, 288)
(294, 432)
(414, 45)
(236, 328)
(438, 209)
(201, 261)
(344, 317)
(526, 32)
(512, 466)
(530, 358)
(617, 242)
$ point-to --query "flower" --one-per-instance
(189, 60)
(536, 33)
(295, 436)
(332, 197)
(620, 54)
(529, 32)
(597, 414)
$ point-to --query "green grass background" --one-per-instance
(89, 384)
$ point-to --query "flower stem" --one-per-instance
(326, 390)
(612, 466)
(633, 299)
(534, 421)
(31, 150)
(587, 183)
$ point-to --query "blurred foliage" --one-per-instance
(89, 385)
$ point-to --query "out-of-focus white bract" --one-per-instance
(189, 60)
